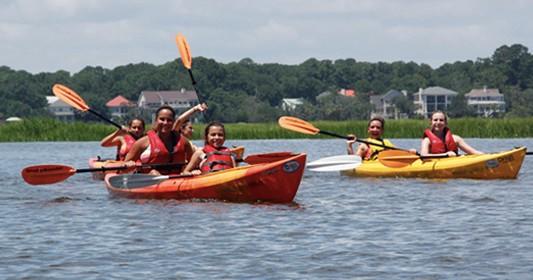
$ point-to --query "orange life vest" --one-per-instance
(438, 145)
(121, 153)
(217, 159)
(160, 154)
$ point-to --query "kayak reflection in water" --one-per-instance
(439, 140)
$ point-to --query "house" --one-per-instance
(289, 104)
(119, 107)
(383, 105)
(347, 92)
(486, 101)
(433, 99)
(61, 110)
(180, 100)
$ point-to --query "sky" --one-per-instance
(51, 35)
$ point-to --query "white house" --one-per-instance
(119, 106)
(433, 99)
(383, 104)
(180, 100)
(486, 101)
(289, 104)
(61, 110)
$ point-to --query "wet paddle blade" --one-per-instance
(297, 125)
(133, 181)
(335, 163)
(185, 51)
(46, 174)
(70, 97)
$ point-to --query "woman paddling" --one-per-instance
(439, 140)
(376, 127)
(124, 138)
(163, 144)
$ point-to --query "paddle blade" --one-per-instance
(297, 125)
(185, 51)
(335, 163)
(396, 158)
(70, 97)
(46, 174)
(133, 181)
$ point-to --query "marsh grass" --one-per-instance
(51, 130)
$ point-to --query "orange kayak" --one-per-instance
(275, 181)
(99, 163)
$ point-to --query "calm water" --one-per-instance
(338, 227)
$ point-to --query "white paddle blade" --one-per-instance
(335, 163)
(335, 160)
(336, 167)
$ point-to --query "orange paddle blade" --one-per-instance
(397, 158)
(297, 125)
(185, 51)
(46, 173)
(70, 97)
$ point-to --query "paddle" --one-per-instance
(186, 59)
(395, 158)
(53, 173)
(301, 126)
(73, 99)
(335, 163)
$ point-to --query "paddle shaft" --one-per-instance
(104, 118)
(529, 153)
(152, 165)
(359, 140)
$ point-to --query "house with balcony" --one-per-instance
(486, 101)
(119, 107)
(383, 105)
(433, 99)
(179, 100)
(59, 109)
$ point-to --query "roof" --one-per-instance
(118, 101)
(169, 96)
(484, 92)
(293, 101)
(51, 99)
(438, 91)
(391, 94)
(56, 102)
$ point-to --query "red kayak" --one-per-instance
(275, 181)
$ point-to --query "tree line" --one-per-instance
(246, 91)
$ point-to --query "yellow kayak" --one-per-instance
(503, 165)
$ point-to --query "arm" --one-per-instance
(187, 114)
(464, 146)
(349, 144)
(194, 163)
(136, 150)
(114, 139)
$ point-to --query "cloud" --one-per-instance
(50, 35)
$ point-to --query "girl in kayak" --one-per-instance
(376, 127)
(186, 130)
(163, 144)
(214, 156)
(439, 140)
(124, 138)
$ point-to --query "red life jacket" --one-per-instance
(217, 159)
(121, 153)
(437, 145)
(160, 154)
